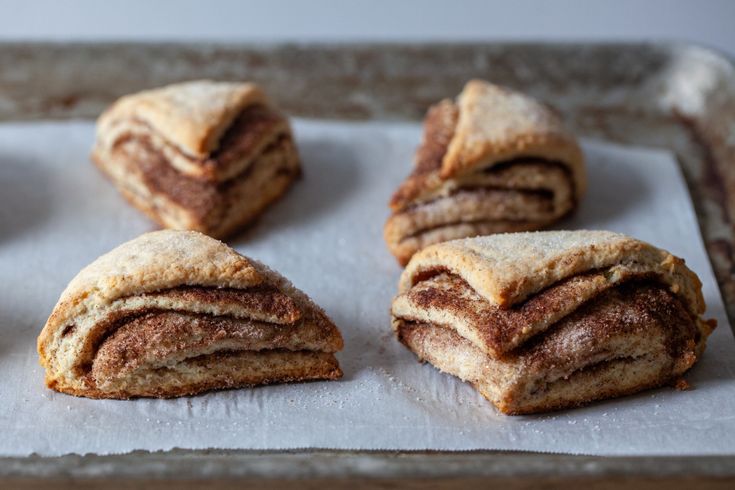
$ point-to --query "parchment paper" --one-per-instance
(58, 214)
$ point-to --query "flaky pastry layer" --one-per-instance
(585, 316)
(146, 318)
(494, 161)
(214, 170)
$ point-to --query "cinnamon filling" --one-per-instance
(591, 335)
(244, 135)
(522, 207)
(515, 226)
(515, 195)
(198, 196)
(537, 198)
(244, 138)
(631, 309)
(159, 339)
(241, 139)
(265, 299)
(502, 331)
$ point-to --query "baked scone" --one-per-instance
(493, 161)
(202, 155)
(175, 313)
(540, 321)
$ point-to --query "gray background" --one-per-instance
(709, 22)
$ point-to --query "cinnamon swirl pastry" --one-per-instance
(175, 313)
(206, 156)
(493, 161)
(547, 320)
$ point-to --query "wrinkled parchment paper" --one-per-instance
(58, 214)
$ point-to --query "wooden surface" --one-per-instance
(641, 94)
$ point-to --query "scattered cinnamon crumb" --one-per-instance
(682, 385)
(711, 323)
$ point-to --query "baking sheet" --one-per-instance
(57, 214)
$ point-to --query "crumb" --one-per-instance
(711, 323)
(681, 384)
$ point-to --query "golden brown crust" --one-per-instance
(168, 297)
(152, 262)
(506, 268)
(497, 124)
(223, 371)
(406, 247)
(191, 115)
(492, 142)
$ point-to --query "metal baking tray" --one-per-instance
(671, 95)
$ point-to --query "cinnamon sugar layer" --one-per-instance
(439, 126)
(134, 329)
(160, 339)
(199, 197)
(265, 298)
(447, 299)
(631, 337)
(246, 137)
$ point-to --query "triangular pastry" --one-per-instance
(539, 321)
(175, 313)
(201, 155)
(493, 161)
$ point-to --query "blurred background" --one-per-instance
(709, 22)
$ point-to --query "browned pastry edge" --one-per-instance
(242, 140)
(295, 366)
(439, 126)
(507, 268)
(407, 248)
(193, 115)
(198, 125)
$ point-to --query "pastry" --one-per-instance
(493, 161)
(203, 155)
(175, 313)
(539, 321)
